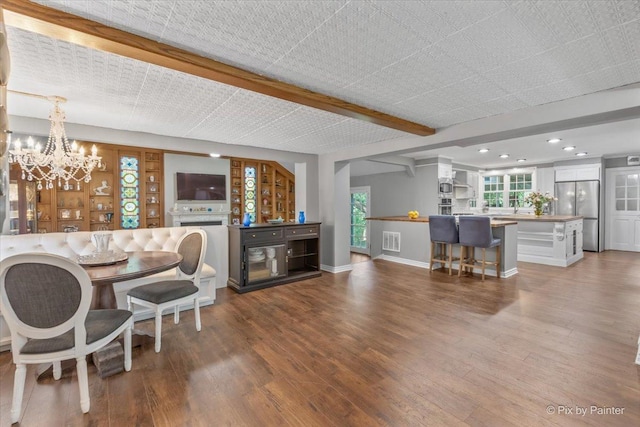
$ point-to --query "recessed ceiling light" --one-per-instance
(483, 150)
(554, 140)
(521, 160)
(582, 153)
(215, 155)
(569, 148)
(504, 156)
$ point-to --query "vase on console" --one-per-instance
(247, 219)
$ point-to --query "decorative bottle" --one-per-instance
(301, 217)
(247, 219)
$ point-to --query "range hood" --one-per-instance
(460, 179)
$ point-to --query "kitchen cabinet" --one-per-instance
(445, 170)
(264, 255)
(465, 184)
(578, 173)
(550, 240)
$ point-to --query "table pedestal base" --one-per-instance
(109, 360)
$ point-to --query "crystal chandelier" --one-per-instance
(58, 160)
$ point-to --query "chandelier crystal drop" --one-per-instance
(58, 160)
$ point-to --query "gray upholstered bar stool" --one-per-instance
(475, 232)
(444, 232)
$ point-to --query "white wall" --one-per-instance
(174, 163)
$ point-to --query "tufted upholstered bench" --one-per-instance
(71, 245)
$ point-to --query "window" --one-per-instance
(493, 191)
(508, 190)
(129, 193)
(628, 193)
(250, 192)
(519, 186)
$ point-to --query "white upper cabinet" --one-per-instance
(578, 173)
(445, 170)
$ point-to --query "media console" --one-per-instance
(264, 255)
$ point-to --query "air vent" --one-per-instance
(390, 241)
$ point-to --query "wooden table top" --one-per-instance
(139, 264)
(425, 219)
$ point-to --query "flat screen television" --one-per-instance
(200, 186)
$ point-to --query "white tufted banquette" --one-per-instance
(71, 245)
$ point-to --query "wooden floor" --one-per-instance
(384, 344)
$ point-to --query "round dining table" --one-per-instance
(138, 264)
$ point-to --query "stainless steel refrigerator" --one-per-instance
(582, 198)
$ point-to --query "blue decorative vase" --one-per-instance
(301, 218)
(247, 219)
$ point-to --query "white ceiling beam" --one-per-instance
(408, 163)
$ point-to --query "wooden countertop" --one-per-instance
(543, 218)
(425, 219)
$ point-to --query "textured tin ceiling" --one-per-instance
(437, 63)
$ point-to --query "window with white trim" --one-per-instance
(520, 185)
(493, 191)
(506, 190)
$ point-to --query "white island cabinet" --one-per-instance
(550, 239)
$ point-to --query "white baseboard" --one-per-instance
(338, 269)
(403, 261)
(505, 274)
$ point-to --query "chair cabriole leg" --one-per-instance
(57, 370)
(83, 383)
(196, 308)
(127, 347)
(158, 330)
(19, 379)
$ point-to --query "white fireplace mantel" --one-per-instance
(199, 217)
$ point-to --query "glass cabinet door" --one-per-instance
(265, 262)
(22, 207)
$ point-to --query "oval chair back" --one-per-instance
(45, 300)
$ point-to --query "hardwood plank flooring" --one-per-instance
(385, 344)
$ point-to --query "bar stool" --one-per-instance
(444, 232)
(475, 232)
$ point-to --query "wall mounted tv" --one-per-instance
(200, 186)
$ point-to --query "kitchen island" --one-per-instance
(548, 239)
(407, 241)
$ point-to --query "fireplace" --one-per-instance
(198, 217)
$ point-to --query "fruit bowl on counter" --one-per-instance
(414, 214)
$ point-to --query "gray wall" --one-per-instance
(396, 193)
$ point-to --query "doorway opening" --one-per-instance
(360, 208)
